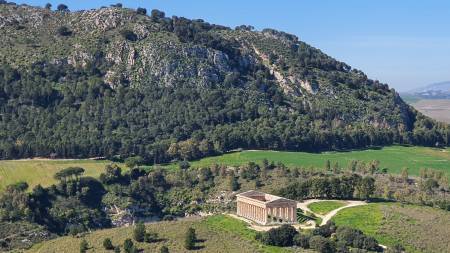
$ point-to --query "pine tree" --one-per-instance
(189, 242)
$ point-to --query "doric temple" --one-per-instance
(265, 208)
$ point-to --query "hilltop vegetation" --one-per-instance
(115, 81)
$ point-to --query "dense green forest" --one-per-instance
(173, 88)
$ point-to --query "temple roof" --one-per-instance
(263, 197)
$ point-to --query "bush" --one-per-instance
(302, 241)
(139, 232)
(107, 244)
(326, 230)
(129, 35)
(164, 249)
(321, 244)
(189, 241)
(117, 249)
(282, 236)
(128, 245)
(84, 246)
(141, 11)
(64, 31)
(157, 14)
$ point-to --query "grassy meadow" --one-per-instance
(417, 228)
(395, 158)
(215, 233)
(36, 171)
(325, 207)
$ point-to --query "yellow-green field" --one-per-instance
(417, 228)
(216, 234)
(395, 158)
(324, 207)
(36, 172)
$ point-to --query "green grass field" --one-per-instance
(216, 234)
(395, 158)
(325, 207)
(41, 171)
(418, 229)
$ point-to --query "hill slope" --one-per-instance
(114, 81)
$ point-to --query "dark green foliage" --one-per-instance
(62, 8)
(64, 31)
(141, 11)
(128, 246)
(356, 239)
(107, 244)
(84, 246)
(134, 161)
(234, 183)
(117, 249)
(164, 249)
(48, 6)
(302, 241)
(334, 187)
(190, 239)
(326, 230)
(139, 232)
(157, 14)
(129, 35)
(282, 236)
(321, 244)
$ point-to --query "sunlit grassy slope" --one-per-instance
(417, 228)
(216, 234)
(41, 171)
(395, 158)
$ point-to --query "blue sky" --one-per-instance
(404, 43)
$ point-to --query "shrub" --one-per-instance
(141, 11)
(129, 35)
(139, 232)
(302, 241)
(164, 249)
(48, 6)
(128, 245)
(157, 14)
(326, 230)
(189, 241)
(117, 249)
(64, 31)
(321, 244)
(84, 246)
(282, 236)
(107, 244)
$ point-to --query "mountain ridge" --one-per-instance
(114, 81)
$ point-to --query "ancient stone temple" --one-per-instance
(266, 209)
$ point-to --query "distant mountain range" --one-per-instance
(433, 91)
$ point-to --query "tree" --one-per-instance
(134, 161)
(117, 249)
(404, 174)
(366, 187)
(157, 14)
(190, 239)
(282, 236)
(164, 249)
(139, 232)
(48, 6)
(184, 165)
(328, 165)
(321, 244)
(64, 31)
(302, 241)
(84, 246)
(128, 245)
(107, 244)
(234, 183)
(129, 35)
(141, 11)
(62, 8)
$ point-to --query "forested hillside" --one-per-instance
(116, 81)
